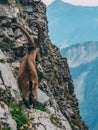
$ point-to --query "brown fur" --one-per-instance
(27, 75)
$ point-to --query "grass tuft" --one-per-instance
(41, 107)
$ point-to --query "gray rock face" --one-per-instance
(42, 97)
(5, 116)
(8, 78)
(8, 11)
(56, 90)
(43, 121)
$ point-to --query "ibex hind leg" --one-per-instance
(31, 96)
(33, 86)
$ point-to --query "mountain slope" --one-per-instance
(56, 96)
(69, 24)
(84, 69)
(81, 53)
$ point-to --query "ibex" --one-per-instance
(27, 75)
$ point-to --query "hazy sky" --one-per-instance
(76, 2)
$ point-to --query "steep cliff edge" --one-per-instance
(56, 92)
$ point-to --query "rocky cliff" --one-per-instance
(58, 106)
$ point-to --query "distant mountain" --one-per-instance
(70, 24)
(83, 60)
(81, 53)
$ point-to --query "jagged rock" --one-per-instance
(2, 87)
(42, 97)
(8, 78)
(2, 55)
(5, 116)
(44, 120)
(6, 23)
(15, 64)
(4, 1)
(28, 9)
(8, 11)
(1, 32)
(17, 33)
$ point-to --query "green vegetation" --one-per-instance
(40, 107)
(6, 127)
(54, 80)
(78, 122)
(2, 60)
(53, 46)
(9, 98)
(19, 7)
(19, 116)
(10, 2)
(65, 92)
(54, 120)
